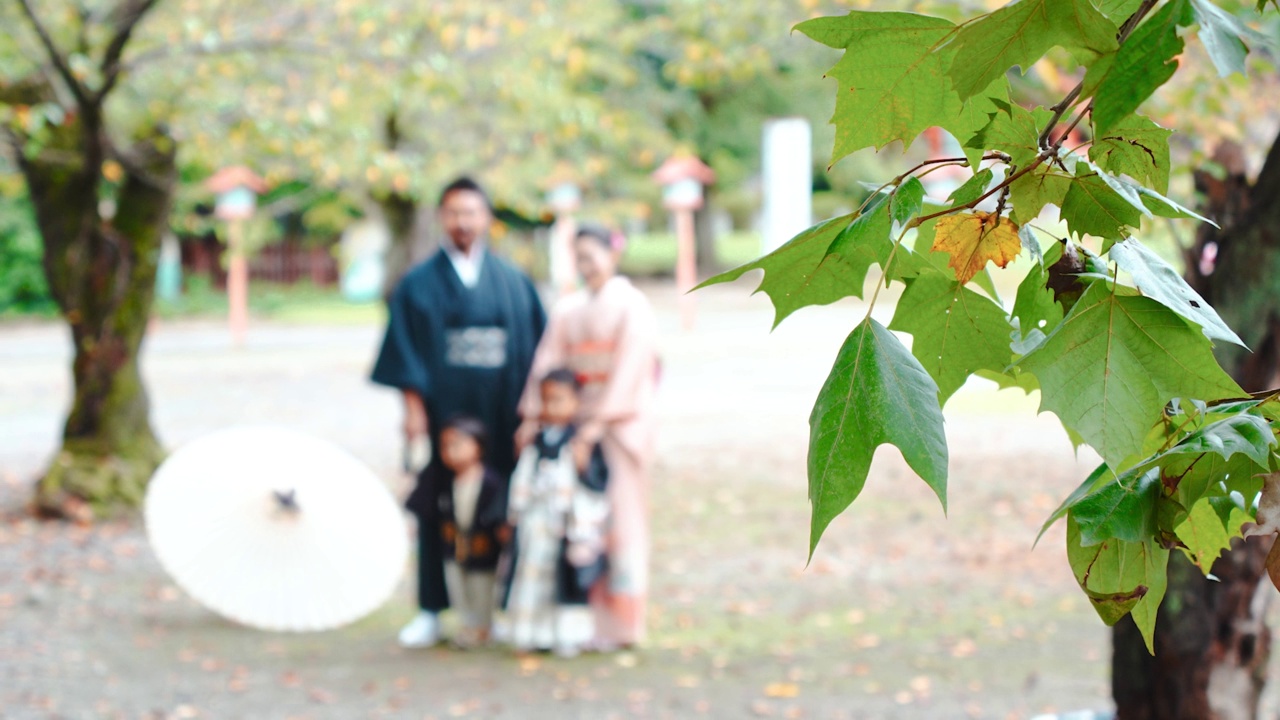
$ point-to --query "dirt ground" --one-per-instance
(904, 612)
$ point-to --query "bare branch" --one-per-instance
(56, 57)
(128, 15)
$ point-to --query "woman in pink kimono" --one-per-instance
(607, 335)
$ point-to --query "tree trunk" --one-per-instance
(401, 215)
(1212, 642)
(101, 271)
(400, 211)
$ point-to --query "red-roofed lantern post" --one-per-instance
(682, 178)
(237, 188)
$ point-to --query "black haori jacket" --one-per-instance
(481, 546)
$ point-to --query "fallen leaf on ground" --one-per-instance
(781, 690)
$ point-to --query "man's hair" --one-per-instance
(563, 376)
(465, 184)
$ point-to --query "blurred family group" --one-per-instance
(533, 508)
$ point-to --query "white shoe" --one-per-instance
(422, 632)
(501, 632)
(567, 651)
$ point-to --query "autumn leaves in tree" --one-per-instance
(1118, 345)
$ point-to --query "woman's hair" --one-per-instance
(610, 240)
(563, 376)
(471, 427)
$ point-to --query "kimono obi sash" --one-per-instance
(476, 347)
(592, 361)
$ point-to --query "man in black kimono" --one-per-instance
(461, 335)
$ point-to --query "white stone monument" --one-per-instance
(787, 180)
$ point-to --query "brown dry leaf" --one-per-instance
(972, 239)
(781, 690)
(1273, 564)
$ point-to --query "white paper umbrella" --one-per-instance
(276, 529)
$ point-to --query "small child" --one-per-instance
(472, 506)
(559, 515)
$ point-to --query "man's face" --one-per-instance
(465, 217)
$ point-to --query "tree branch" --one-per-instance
(56, 58)
(128, 15)
(1126, 29)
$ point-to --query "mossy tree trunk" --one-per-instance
(400, 211)
(101, 231)
(1212, 642)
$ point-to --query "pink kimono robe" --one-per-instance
(609, 339)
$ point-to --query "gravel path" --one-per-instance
(902, 614)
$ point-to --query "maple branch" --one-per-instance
(884, 280)
(1126, 29)
(1131, 24)
(1088, 110)
(962, 162)
(1048, 150)
(55, 56)
(974, 203)
(1043, 141)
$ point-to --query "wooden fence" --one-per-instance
(286, 262)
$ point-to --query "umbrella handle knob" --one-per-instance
(287, 500)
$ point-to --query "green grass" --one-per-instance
(655, 253)
(298, 303)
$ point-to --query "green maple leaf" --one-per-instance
(1120, 578)
(1204, 534)
(823, 264)
(1160, 282)
(1034, 305)
(975, 115)
(893, 81)
(1115, 361)
(1145, 62)
(1124, 509)
(1013, 130)
(955, 331)
(1223, 37)
(1136, 147)
(907, 201)
(1020, 33)
(1099, 478)
(1158, 204)
(1030, 193)
(1091, 206)
(876, 393)
(1234, 449)
(1118, 10)
(972, 188)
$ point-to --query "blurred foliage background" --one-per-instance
(351, 109)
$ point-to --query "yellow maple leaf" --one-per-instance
(971, 239)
